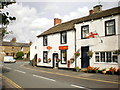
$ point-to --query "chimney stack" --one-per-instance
(91, 12)
(57, 21)
(97, 8)
(13, 40)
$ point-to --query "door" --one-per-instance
(84, 57)
(55, 57)
(35, 57)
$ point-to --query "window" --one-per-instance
(84, 31)
(110, 27)
(110, 56)
(102, 55)
(21, 48)
(63, 56)
(63, 37)
(45, 54)
(12, 48)
(44, 40)
(35, 47)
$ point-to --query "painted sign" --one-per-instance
(63, 47)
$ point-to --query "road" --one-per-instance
(26, 77)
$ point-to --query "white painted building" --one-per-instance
(64, 39)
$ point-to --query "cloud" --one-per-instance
(80, 12)
(29, 24)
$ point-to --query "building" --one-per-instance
(12, 47)
(63, 40)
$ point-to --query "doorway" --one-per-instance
(55, 57)
(84, 57)
(35, 57)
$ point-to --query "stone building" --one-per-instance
(12, 47)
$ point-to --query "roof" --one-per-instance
(4, 43)
(70, 24)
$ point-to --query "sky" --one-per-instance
(35, 17)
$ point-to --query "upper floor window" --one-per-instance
(110, 27)
(12, 48)
(63, 37)
(84, 31)
(44, 40)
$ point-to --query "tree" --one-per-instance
(19, 55)
(4, 17)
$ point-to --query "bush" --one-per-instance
(19, 55)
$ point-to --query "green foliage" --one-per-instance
(4, 16)
(19, 55)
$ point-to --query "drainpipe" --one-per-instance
(75, 47)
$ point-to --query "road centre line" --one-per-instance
(20, 71)
(8, 68)
(77, 86)
(44, 78)
(98, 80)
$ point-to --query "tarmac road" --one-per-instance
(25, 76)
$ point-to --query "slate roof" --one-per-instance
(70, 24)
(4, 43)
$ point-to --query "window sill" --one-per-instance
(106, 63)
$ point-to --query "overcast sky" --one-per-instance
(35, 17)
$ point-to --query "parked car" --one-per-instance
(9, 59)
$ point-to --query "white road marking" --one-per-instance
(8, 68)
(77, 86)
(44, 78)
(20, 71)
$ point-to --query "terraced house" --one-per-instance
(92, 40)
(12, 47)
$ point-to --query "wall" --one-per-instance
(54, 42)
(110, 43)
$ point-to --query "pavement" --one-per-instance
(83, 75)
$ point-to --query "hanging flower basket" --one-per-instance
(90, 53)
(49, 60)
(58, 60)
(39, 59)
(77, 54)
(72, 60)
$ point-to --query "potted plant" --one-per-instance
(77, 53)
(90, 53)
(112, 70)
(72, 60)
(58, 60)
(77, 69)
(49, 60)
(96, 69)
(89, 69)
(39, 59)
(104, 71)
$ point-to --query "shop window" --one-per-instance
(110, 27)
(63, 56)
(84, 31)
(63, 37)
(45, 56)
